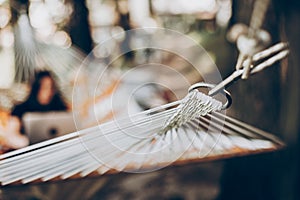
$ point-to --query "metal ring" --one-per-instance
(208, 85)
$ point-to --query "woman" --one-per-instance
(44, 97)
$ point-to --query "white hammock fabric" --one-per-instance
(137, 144)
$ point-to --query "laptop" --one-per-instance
(40, 126)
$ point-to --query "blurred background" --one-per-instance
(64, 36)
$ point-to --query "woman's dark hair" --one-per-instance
(36, 85)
